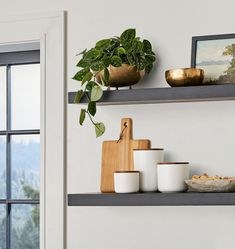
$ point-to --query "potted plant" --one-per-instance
(115, 62)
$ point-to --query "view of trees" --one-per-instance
(25, 184)
(229, 74)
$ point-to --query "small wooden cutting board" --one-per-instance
(117, 155)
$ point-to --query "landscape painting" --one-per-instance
(217, 58)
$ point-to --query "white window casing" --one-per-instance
(49, 30)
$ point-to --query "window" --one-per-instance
(19, 149)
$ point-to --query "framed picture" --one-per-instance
(216, 55)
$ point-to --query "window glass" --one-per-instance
(25, 161)
(2, 226)
(2, 98)
(2, 167)
(25, 87)
(25, 226)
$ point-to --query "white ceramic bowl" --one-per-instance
(126, 181)
(172, 176)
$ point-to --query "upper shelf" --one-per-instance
(164, 95)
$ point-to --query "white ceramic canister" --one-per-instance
(126, 181)
(145, 161)
(171, 176)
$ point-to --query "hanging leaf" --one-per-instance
(99, 129)
(96, 93)
(78, 96)
(82, 63)
(87, 77)
(92, 108)
(89, 85)
(82, 116)
(80, 74)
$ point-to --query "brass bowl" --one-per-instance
(184, 77)
(125, 75)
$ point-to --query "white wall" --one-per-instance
(202, 133)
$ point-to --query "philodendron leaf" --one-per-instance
(96, 93)
(99, 129)
(92, 54)
(147, 47)
(97, 66)
(103, 44)
(89, 85)
(130, 59)
(150, 58)
(87, 77)
(116, 61)
(78, 96)
(128, 35)
(121, 50)
(92, 108)
(82, 63)
(80, 74)
(106, 61)
(106, 75)
(148, 68)
(82, 116)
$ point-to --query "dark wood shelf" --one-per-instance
(164, 95)
(152, 199)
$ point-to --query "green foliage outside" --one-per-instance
(230, 72)
(25, 236)
(126, 49)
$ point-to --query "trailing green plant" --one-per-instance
(126, 49)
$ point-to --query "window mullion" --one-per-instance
(8, 226)
(8, 158)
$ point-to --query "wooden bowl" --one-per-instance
(184, 77)
(125, 75)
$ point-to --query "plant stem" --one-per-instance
(89, 115)
(88, 98)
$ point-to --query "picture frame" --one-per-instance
(215, 54)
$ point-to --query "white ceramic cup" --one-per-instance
(126, 181)
(145, 161)
(171, 176)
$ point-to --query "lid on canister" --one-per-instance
(149, 149)
(127, 171)
(162, 163)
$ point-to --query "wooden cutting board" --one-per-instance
(117, 155)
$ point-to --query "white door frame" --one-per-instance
(49, 30)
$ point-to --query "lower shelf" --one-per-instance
(152, 199)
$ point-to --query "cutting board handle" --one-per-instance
(126, 129)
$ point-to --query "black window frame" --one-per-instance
(9, 59)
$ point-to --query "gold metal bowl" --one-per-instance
(125, 75)
(184, 77)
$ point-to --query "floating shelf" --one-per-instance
(164, 95)
(152, 199)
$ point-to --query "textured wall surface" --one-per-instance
(202, 133)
